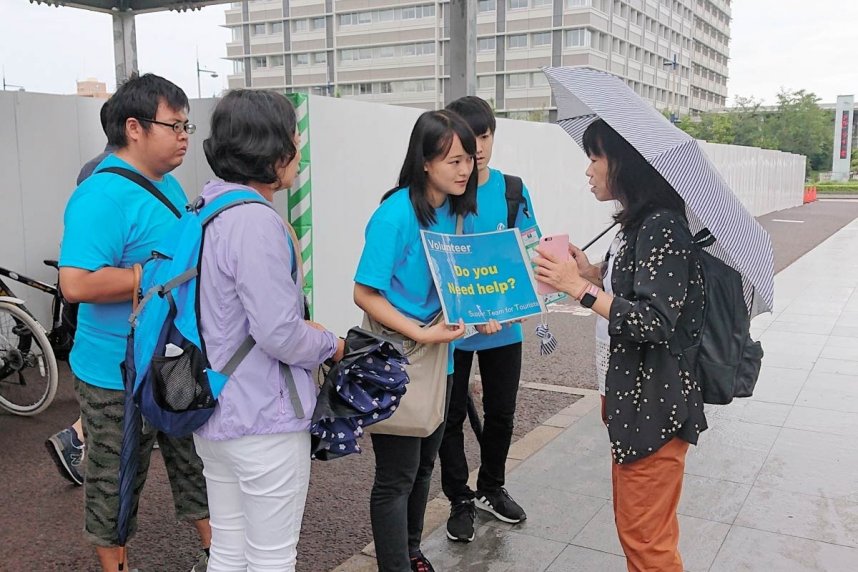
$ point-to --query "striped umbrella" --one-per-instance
(583, 95)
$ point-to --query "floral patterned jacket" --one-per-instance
(658, 291)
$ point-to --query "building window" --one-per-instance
(301, 59)
(276, 28)
(317, 23)
(540, 39)
(400, 50)
(517, 4)
(538, 3)
(236, 34)
(320, 58)
(485, 82)
(276, 61)
(300, 25)
(387, 15)
(257, 29)
(238, 66)
(258, 62)
(486, 6)
(517, 41)
(486, 44)
(538, 79)
(515, 80)
(577, 3)
(577, 38)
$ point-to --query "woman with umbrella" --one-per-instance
(649, 288)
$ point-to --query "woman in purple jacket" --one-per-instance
(256, 445)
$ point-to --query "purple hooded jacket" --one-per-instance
(246, 287)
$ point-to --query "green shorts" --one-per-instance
(102, 411)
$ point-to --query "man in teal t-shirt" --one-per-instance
(112, 223)
(499, 356)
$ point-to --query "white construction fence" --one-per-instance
(356, 150)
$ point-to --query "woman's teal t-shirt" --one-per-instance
(394, 262)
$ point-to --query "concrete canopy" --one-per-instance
(124, 30)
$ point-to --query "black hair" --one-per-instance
(102, 115)
(432, 137)
(252, 131)
(477, 112)
(139, 98)
(632, 181)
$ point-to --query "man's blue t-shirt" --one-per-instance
(394, 262)
(491, 216)
(111, 221)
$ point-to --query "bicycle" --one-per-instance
(29, 353)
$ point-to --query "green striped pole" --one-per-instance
(300, 202)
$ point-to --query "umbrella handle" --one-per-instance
(598, 236)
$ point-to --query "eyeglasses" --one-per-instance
(177, 127)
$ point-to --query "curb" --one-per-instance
(532, 442)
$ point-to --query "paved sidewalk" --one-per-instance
(773, 484)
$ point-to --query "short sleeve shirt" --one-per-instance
(111, 222)
(394, 262)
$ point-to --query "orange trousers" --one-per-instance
(646, 495)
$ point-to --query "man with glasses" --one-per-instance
(113, 220)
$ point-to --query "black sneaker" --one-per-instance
(501, 505)
(420, 563)
(66, 451)
(460, 525)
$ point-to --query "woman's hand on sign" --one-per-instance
(442, 333)
(490, 327)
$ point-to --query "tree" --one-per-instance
(801, 126)
(712, 127)
(797, 125)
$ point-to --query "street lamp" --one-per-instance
(211, 73)
(672, 64)
(5, 85)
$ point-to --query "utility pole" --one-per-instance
(463, 49)
(671, 105)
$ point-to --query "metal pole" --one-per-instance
(463, 49)
(199, 96)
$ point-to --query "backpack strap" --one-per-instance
(514, 197)
(298, 271)
(143, 182)
(209, 212)
(238, 357)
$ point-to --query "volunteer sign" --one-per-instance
(482, 276)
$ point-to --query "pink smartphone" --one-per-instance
(556, 245)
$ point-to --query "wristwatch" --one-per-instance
(589, 297)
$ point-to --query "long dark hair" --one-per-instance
(431, 138)
(635, 183)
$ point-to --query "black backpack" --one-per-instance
(725, 360)
(514, 199)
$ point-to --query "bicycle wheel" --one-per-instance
(28, 369)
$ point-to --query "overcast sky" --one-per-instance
(775, 43)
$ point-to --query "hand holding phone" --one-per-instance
(556, 246)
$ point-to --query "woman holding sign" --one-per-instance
(393, 285)
(648, 290)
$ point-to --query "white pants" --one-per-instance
(257, 487)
